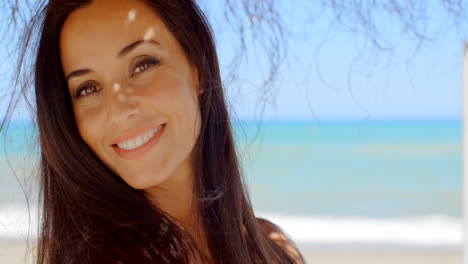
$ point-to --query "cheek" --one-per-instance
(89, 125)
(173, 94)
(188, 116)
(176, 96)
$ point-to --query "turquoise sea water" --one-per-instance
(374, 169)
(402, 178)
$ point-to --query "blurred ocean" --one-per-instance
(330, 182)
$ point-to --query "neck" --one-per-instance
(175, 197)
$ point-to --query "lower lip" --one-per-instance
(140, 151)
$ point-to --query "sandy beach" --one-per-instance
(391, 255)
(15, 252)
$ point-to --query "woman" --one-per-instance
(138, 163)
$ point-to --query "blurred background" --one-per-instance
(347, 118)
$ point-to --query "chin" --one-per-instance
(143, 182)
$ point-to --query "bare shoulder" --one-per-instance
(276, 234)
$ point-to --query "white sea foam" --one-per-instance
(435, 230)
(15, 222)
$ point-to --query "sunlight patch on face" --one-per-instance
(131, 16)
(116, 87)
(149, 33)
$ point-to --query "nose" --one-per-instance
(122, 105)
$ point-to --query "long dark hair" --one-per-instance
(89, 214)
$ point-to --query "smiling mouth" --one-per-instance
(139, 145)
(139, 140)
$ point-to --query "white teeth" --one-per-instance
(138, 141)
(146, 138)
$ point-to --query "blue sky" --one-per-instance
(427, 86)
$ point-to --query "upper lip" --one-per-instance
(134, 133)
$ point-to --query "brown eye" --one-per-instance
(144, 64)
(87, 90)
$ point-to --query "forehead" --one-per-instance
(105, 26)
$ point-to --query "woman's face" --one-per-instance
(128, 76)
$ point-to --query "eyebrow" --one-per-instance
(122, 53)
